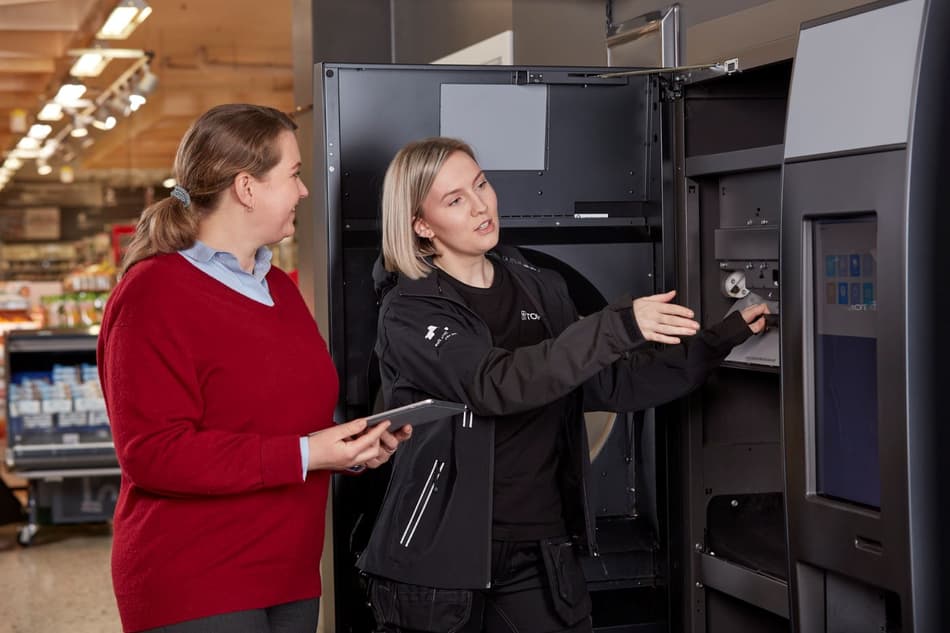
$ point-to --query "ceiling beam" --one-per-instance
(28, 64)
(32, 44)
(21, 84)
(10, 100)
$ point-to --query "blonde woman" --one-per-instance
(220, 393)
(485, 514)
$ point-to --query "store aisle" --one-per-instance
(60, 583)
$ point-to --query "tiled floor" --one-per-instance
(61, 583)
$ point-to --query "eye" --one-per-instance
(482, 184)
(455, 201)
(296, 174)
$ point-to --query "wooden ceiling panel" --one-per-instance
(205, 52)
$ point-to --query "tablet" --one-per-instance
(417, 413)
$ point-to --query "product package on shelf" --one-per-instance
(62, 406)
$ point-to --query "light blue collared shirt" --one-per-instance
(224, 267)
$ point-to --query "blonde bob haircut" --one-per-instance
(407, 183)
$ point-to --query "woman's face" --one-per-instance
(276, 195)
(460, 213)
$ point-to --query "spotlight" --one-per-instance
(43, 169)
(79, 127)
(147, 82)
(102, 120)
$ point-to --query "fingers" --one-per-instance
(663, 297)
(757, 326)
(663, 322)
(346, 429)
(754, 317)
(752, 313)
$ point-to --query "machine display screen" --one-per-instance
(845, 359)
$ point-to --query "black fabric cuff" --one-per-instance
(733, 330)
(624, 306)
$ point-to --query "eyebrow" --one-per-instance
(480, 175)
(296, 166)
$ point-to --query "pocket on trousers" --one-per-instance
(419, 608)
(568, 587)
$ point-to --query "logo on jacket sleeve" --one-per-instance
(437, 335)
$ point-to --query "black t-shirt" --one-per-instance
(526, 496)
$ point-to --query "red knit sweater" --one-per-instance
(208, 393)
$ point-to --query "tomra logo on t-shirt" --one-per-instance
(439, 336)
(530, 316)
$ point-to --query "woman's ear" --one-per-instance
(244, 189)
(422, 229)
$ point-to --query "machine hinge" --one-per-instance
(673, 79)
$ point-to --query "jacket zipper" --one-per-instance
(406, 533)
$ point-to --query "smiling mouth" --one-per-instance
(484, 226)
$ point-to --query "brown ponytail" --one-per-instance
(224, 141)
(165, 227)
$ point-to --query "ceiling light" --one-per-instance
(105, 124)
(39, 131)
(43, 169)
(49, 148)
(28, 143)
(147, 82)
(50, 112)
(89, 65)
(69, 94)
(12, 163)
(78, 132)
(168, 183)
(136, 101)
(127, 15)
(66, 174)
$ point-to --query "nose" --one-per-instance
(478, 205)
(302, 189)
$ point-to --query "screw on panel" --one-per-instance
(734, 503)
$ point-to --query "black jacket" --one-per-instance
(434, 526)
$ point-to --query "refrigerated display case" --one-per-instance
(59, 438)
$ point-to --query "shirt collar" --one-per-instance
(201, 252)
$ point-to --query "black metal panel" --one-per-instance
(742, 407)
(738, 111)
(598, 141)
(747, 244)
(928, 341)
(749, 530)
(725, 614)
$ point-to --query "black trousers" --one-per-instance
(536, 588)
(292, 617)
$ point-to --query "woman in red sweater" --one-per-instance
(220, 392)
